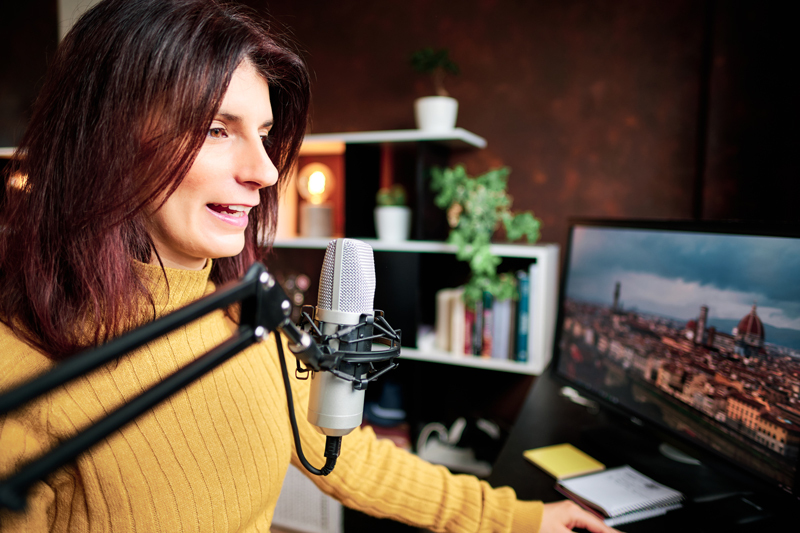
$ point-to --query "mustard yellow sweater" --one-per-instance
(213, 457)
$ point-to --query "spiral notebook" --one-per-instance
(621, 494)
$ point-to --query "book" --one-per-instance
(511, 334)
(469, 329)
(563, 461)
(488, 325)
(477, 327)
(534, 332)
(501, 329)
(621, 494)
(458, 326)
(444, 310)
(523, 321)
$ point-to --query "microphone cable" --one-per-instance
(333, 445)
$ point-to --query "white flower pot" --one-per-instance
(393, 222)
(436, 113)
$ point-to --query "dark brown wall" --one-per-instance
(591, 104)
(600, 108)
(753, 169)
(30, 34)
(617, 108)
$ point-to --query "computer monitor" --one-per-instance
(691, 329)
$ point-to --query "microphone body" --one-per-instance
(344, 315)
(335, 408)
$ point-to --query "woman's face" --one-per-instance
(207, 215)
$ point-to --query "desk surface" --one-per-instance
(550, 418)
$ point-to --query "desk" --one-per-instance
(547, 418)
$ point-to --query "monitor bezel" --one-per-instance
(630, 418)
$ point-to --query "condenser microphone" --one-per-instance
(345, 318)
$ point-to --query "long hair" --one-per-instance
(121, 117)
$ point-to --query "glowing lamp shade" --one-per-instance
(315, 183)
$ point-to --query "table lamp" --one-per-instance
(315, 183)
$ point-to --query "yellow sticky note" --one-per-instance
(563, 460)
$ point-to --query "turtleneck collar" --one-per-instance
(178, 288)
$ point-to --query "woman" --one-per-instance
(153, 162)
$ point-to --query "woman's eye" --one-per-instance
(266, 140)
(217, 133)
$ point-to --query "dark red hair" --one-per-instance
(120, 119)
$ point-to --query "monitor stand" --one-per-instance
(675, 454)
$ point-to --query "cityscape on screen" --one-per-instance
(697, 331)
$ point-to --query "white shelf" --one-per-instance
(542, 305)
(457, 138)
(473, 361)
(502, 250)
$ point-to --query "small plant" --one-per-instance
(475, 209)
(437, 64)
(394, 195)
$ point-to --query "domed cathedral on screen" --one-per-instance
(749, 335)
(746, 339)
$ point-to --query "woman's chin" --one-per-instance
(227, 249)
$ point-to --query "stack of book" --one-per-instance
(491, 328)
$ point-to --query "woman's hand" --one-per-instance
(563, 516)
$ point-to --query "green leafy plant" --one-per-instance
(394, 195)
(476, 206)
(437, 64)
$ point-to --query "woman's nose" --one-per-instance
(255, 166)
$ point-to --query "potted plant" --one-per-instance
(435, 113)
(392, 215)
(475, 209)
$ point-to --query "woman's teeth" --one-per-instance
(233, 210)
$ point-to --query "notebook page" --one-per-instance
(621, 490)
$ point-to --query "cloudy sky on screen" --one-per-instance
(673, 273)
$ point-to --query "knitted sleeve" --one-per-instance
(19, 445)
(24, 437)
(378, 478)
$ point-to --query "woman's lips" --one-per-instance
(233, 214)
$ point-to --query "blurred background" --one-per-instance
(623, 108)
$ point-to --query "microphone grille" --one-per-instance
(347, 282)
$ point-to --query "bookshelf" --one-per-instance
(542, 305)
(418, 261)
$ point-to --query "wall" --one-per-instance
(69, 11)
(591, 104)
(600, 108)
(30, 33)
(752, 170)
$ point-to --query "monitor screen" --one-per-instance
(692, 329)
